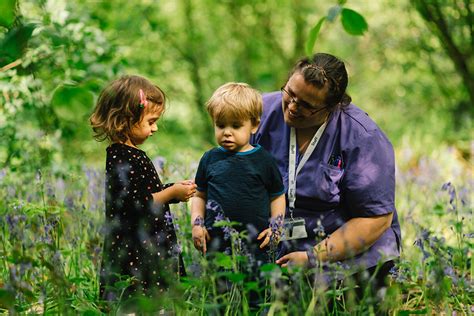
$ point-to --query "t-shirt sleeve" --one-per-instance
(274, 182)
(201, 179)
(369, 182)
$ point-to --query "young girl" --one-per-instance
(139, 241)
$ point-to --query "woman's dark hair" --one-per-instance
(325, 69)
(118, 108)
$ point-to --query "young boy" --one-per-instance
(243, 179)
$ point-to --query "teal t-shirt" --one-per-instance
(242, 184)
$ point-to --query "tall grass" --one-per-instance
(51, 241)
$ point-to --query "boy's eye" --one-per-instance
(236, 126)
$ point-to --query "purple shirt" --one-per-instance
(351, 173)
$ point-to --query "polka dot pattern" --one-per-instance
(138, 242)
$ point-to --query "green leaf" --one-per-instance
(353, 22)
(235, 277)
(14, 44)
(439, 210)
(72, 103)
(267, 267)
(7, 12)
(313, 36)
(223, 260)
(7, 299)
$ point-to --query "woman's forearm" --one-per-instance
(353, 237)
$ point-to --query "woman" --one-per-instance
(338, 169)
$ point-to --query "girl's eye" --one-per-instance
(236, 126)
(220, 126)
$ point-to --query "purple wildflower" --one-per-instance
(213, 206)
(169, 217)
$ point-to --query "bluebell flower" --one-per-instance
(212, 205)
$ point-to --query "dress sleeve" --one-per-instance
(129, 189)
(369, 182)
(201, 179)
(274, 183)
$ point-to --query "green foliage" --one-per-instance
(313, 36)
(7, 12)
(353, 22)
(51, 239)
(14, 43)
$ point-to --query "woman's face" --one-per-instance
(302, 103)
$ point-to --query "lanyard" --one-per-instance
(292, 171)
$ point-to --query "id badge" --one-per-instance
(294, 228)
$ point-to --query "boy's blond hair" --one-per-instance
(235, 101)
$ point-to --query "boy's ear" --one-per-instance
(255, 125)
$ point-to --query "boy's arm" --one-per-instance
(198, 211)
(277, 206)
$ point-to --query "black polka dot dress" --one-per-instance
(140, 241)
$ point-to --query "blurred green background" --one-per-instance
(412, 70)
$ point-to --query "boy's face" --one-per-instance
(234, 135)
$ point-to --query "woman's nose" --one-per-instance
(292, 106)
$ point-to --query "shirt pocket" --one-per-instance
(320, 181)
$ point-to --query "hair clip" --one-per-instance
(143, 100)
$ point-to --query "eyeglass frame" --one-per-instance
(311, 109)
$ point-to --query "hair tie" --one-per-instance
(143, 100)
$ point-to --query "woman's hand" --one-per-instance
(297, 258)
(184, 190)
(266, 235)
(200, 238)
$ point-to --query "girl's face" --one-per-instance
(145, 128)
(234, 135)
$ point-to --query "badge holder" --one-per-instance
(294, 228)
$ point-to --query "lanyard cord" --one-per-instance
(292, 171)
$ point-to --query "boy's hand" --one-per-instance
(184, 190)
(265, 235)
(200, 238)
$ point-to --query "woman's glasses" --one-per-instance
(290, 98)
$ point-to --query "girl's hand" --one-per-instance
(200, 238)
(184, 190)
(297, 258)
(266, 234)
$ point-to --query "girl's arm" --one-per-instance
(198, 211)
(181, 191)
(277, 206)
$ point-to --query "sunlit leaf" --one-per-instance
(313, 36)
(7, 12)
(72, 103)
(353, 22)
